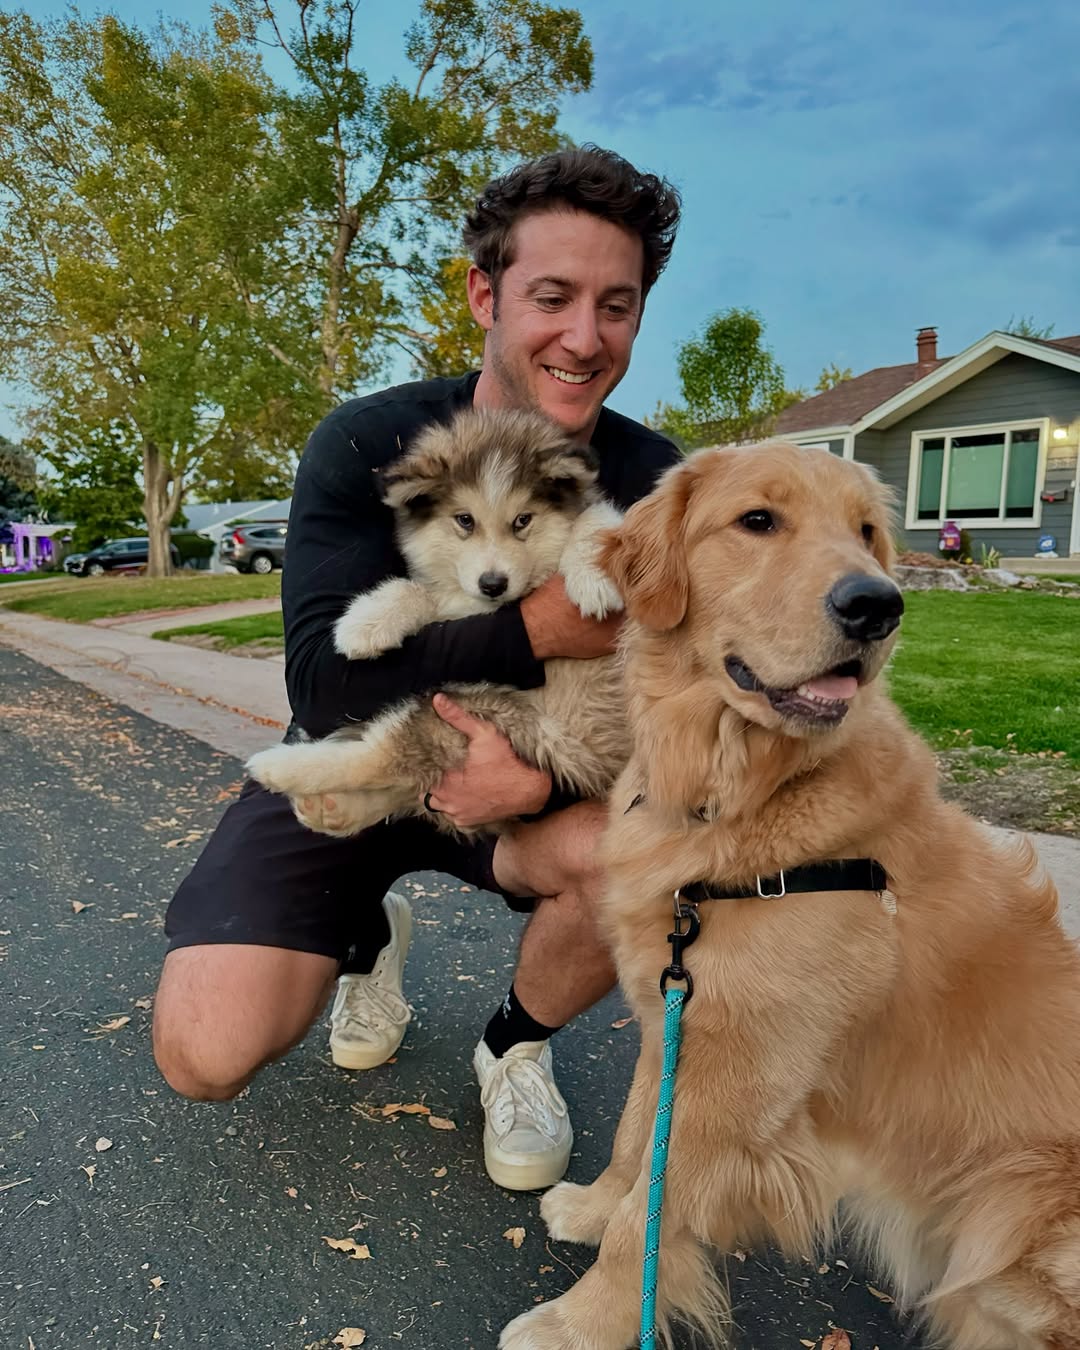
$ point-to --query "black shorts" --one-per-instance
(263, 878)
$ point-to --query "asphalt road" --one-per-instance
(204, 1225)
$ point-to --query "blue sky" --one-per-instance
(853, 172)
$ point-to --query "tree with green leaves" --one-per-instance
(831, 375)
(131, 172)
(384, 172)
(1025, 326)
(94, 484)
(732, 385)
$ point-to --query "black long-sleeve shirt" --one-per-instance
(341, 542)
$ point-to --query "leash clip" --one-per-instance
(687, 927)
(773, 895)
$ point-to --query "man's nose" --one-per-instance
(581, 336)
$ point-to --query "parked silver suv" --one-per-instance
(255, 548)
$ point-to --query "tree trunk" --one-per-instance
(161, 501)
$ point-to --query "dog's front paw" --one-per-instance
(592, 591)
(576, 1213)
(382, 619)
(538, 1329)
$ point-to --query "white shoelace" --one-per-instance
(521, 1085)
(368, 1006)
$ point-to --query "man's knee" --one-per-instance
(556, 856)
(219, 1015)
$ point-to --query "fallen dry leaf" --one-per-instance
(348, 1337)
(357, 1251)
(515, 1235)
(406, 1109)
(78, 906)
(290, 1191)
(156, 1281)
(439, 1123)
(878, 1294)
(439, 1172)
(100, 1145)
(188, 838)
(622, 1022)
(739, 1254)
(90, 1172)
(131, 914)
(546, 1270)
(114, 1025)
(804, 1341)
(837, 1340)
(144, 1003)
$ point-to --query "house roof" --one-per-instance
(884, 395)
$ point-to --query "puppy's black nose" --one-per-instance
(867, 608)
(492, 584)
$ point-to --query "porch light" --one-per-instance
(1060, 433)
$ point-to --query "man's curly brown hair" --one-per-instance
(586, 178)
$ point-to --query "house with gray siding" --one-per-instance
(987, 439)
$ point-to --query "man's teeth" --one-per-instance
(568, 376)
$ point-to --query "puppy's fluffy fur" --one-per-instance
(913, 1058)
(491, 499)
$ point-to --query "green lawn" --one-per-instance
(998, 669)
(267, 628)
(31, 576)
(89, 598)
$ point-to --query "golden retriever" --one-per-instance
(911, 1057)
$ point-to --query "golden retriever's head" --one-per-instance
(772, 564)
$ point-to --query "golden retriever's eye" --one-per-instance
(758, 522)
(868, 532)
(465, 522)
(521, 521)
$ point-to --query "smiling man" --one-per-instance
(565, 251)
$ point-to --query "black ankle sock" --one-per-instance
(365, 950)
(511, 1025)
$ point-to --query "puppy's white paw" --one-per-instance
(325, 813)
(382, 619)
(275, 768)
(594, 593)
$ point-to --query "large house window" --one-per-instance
(988, 474)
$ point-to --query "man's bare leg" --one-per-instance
(223, 1011)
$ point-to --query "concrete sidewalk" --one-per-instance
(240, 706)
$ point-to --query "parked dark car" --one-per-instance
(73, 563)
(255, 548)
(120, 555)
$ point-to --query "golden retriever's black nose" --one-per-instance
(867, 608)
(492, 584)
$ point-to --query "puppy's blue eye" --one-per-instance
(465, 522)
(521, 521)
(758, 522)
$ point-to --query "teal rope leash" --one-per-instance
(673, 1008)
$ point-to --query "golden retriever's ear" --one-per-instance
(646, 558)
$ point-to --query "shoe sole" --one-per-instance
(534, 1176)
(351, 1058)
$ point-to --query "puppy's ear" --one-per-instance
(568, 471)
(646, 558)
(416, 483)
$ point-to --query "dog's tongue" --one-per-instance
(833, 686)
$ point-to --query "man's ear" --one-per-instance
(646, 558)
(481, 296)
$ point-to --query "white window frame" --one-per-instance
(998, 522)
(821, 442)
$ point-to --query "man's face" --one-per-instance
(560, 334)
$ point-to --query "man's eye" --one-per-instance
(465, 522)
(549, 301)
(521, 521)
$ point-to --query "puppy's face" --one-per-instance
(772, 564)
(487, 503)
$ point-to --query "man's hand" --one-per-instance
(556, 627)
(493, 783)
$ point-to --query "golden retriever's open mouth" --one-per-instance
(823, 700)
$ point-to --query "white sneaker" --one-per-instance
(370, 1015)
(527, 1134)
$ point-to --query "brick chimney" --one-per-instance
(926, 343)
